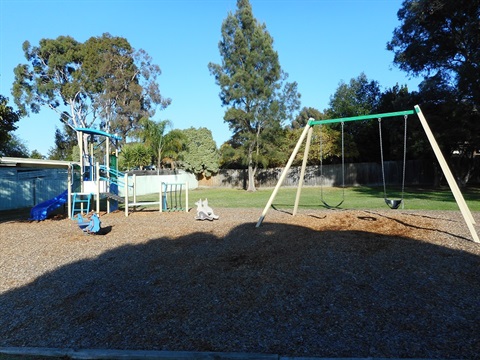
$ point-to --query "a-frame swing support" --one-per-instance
(307, 133)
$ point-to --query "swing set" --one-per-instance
(392, 203)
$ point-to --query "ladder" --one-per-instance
(81, 203)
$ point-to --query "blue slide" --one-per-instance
(42, 210)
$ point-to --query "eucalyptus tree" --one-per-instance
(253, 86)
(101, 83)
(127, 80)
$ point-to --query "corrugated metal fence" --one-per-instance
(29, 187)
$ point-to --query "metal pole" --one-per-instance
(97, 177)
(186, 197)
(361, 117)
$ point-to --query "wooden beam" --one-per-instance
(467, 215)
(302, 172)
(283, 175)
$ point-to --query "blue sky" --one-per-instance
(320, 43)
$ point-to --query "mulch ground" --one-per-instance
(323, 283)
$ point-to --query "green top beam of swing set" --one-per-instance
(361, 117)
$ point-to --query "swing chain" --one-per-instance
(405, 117)
(381, 157)
(404, 159)
(322, 177)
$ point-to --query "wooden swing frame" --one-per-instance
(307, 133)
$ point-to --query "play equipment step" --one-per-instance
(114, 197)
(81, 203)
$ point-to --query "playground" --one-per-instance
(326, 283)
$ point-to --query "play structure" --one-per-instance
(392, 203)
(96, 182)
(88, 181)
(41, 211)
(170, 196)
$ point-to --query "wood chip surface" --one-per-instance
(324, 283)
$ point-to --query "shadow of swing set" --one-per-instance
(392, 203)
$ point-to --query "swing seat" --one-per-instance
(393, 204)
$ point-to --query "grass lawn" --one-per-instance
(355, 198)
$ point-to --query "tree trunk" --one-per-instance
(251, 173)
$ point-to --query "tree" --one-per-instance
(175, 144)
(14, 147)
(65, 141)
(253, 86)
(127, 80)
(8, 118)
(359, 97)
(201, 156)
(440, 41)
(305, 114)
(393, 131)
(35, 154)
(152, 134)
(440, 38)
(134, 155)
(95, 84)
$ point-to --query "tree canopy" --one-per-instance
(253, 86)
(8, 118)
(101, 83)
(201, 156)
(441, 39)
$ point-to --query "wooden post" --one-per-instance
(302, 172)
(283, 175)
(161, 196)
(134, 189)
(467, 215)
(186, 197)
(126, 193)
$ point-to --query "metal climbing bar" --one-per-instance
(172, 195)
(361, 117)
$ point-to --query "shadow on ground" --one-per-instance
(354, 294)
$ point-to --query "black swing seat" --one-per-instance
(393, 204)
(328, 206)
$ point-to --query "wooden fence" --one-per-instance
(417, 172)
